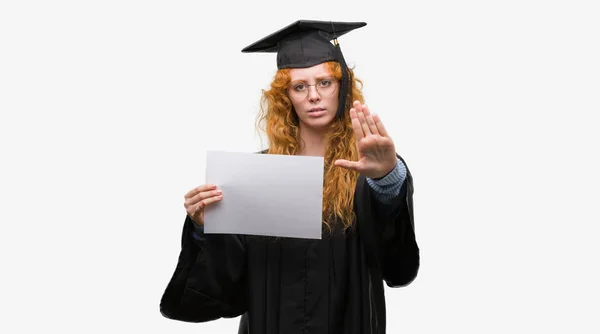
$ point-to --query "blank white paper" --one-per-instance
(265, 194)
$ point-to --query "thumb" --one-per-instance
(351, 165)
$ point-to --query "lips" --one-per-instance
(316, 112)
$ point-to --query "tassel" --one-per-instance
(345, 98)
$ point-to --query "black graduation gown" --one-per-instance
(287, 285)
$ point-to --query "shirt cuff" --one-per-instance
(395, 177)
(388, 187)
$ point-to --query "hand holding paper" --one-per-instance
(198, 198)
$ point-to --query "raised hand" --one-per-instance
(198, 198)
(376, 151)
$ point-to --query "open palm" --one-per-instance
(376, 150)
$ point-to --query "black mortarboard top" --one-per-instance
(307, 43)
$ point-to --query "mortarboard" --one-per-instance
(307, 43)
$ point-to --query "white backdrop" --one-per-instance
(108, 107)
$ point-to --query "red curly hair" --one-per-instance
(278, 119)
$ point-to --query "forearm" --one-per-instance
(198, 232)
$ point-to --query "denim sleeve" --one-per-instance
(389, 186)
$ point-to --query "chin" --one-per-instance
(320, 123)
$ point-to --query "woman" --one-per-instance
(286, 285)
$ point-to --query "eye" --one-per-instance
(325, 83)
(300, 87)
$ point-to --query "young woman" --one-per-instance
(285, 285)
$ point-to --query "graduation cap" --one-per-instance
(306, 43)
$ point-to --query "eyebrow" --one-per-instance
(319, 77)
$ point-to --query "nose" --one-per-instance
(313, 94)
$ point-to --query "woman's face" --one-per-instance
(314, 94)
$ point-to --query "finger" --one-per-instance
(361, 118)
(366, 110)
(358, 132)
(193, 210)
(202, 196)
(351, 165)
(370, 121)
(380, 127)
(210, 201)
(195, 191)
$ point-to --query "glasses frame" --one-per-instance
(333, 80)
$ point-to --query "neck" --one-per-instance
(312, 142)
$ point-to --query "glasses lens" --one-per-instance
(325, 87)
(298, 90)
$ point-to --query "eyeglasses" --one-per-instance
(298, 90)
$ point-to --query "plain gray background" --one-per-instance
(108, 107)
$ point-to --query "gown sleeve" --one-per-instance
(393, 222)
(209, 281)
